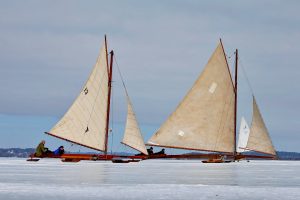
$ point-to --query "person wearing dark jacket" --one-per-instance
(150, 151)
(161, 152)
(60, 151)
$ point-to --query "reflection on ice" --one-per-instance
(152, 179)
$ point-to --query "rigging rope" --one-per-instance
(243, 70)
(120, 74)
(73, 146)
(123, 83)
(245, 75)
(229, 57)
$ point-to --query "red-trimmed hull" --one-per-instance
(74, 156)
(77, 157)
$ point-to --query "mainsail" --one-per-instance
(204, 120)
(243, 136)
(85, 121)
(259, 139)
(132, 135)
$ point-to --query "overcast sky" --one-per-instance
(48, 48)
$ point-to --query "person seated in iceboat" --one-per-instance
(59, 151)
(41, 150)
(160, 152)
(150, 151)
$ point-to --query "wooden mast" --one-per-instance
(235, 102)
(110, 71)
(234, 85)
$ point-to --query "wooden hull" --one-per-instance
(216, 161)
(74, 157)
(109, 157)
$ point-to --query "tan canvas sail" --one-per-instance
(132, 136)
(259, 139)
(204, 120)
(85, 121)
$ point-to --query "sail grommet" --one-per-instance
(181, 133)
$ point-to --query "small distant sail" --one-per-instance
(85, 121)
(204, 120)
(259, 139)
(132, 136)
(243, 136)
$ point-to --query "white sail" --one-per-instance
(132, 135)
(85, 121)
(259, 139)
(204, 120)
(243, 136)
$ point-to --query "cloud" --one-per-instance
(48, 48)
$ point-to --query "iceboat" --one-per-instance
(86, 122)
(206, 118)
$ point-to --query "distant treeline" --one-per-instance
(23, 153)
(283, 155)
(16, 152)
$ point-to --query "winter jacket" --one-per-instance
(40, 150)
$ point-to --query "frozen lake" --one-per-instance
(150, 179)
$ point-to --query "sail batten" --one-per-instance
(204, 118)
(259, 138)
(85, 121)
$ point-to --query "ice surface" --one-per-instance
(150, 179)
